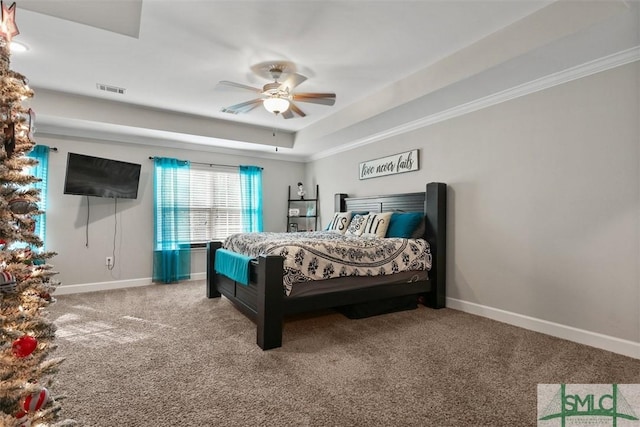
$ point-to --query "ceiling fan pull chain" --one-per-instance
(274, 135)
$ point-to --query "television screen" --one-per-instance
(95, 176)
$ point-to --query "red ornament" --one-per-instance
(7, 283)
(36, 401)
(23, 418)
(24, 346)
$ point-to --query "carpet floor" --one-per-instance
(165, 355)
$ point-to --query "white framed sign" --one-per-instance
(391, 165)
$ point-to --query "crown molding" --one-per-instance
(583, 70)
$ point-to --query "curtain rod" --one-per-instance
(206, 164)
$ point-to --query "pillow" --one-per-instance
(403, 224)
(356, 226)
(418, 233)
(376, 224)
(340, 222)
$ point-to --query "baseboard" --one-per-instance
(116, 284)
(581, 336)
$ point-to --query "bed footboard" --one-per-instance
(270, 312)
(261, 300)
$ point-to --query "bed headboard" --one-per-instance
(407, 202)
(434, 204)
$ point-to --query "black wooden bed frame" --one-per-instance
(264, 301)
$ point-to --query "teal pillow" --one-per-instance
(402, 224)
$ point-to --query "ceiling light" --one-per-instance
(18, 47)
(276, 105)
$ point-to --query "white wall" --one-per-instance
(132, 226)
(544, 201)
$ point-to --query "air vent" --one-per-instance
(112, 89)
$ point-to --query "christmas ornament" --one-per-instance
(32, 128)
(23, 418)
(22, 206)
(7, 283)
(26, 255)
(36, 401)
(24, 346)
(8, 28)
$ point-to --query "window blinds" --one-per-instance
(214, 203)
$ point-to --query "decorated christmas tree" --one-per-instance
(26, 287)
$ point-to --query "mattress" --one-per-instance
(312, 257)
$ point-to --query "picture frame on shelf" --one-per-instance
(294, 212)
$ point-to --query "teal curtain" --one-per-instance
(172, 249)
(40, 171)
(251, 198)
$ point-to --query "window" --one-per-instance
(215, 207)
(41, 154)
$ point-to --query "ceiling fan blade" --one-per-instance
(292, 81)
(287, 114)
(243, 107)
(316, 98)
(240, 86)
(293, 107)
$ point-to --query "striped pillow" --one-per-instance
(376, 224)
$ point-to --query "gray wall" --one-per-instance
(544, 200)
(543, 214)
(132, 226)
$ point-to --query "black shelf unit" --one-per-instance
(306, 218)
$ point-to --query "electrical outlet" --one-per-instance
(109, 261)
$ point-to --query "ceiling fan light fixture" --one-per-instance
(276, 105)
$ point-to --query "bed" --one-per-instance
(267, 300)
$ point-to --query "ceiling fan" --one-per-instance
(278, 97)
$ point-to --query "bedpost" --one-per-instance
(339, 203)
(270, 315)
(436, 223)
(212, 290)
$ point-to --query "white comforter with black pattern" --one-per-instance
(321, 255)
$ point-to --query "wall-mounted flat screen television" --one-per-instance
(95, 176)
